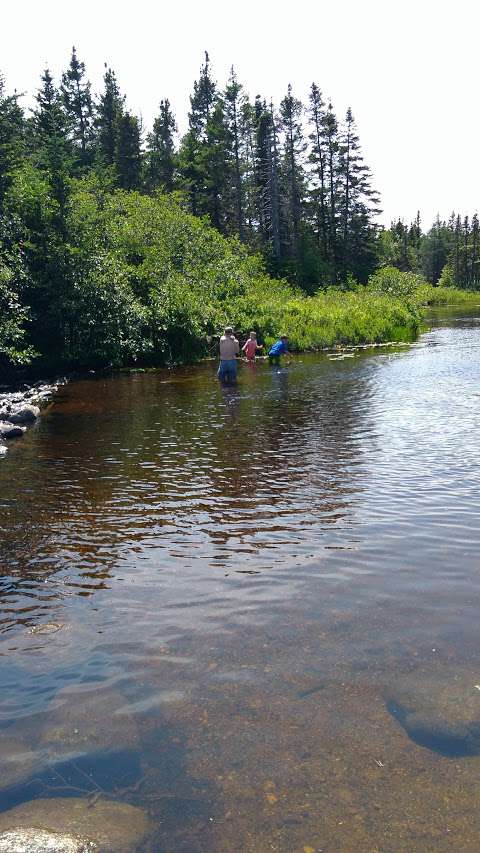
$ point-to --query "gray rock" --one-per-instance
(440, 710)
(24, 415)
(11, 430)
(41, 841)
(106, 826)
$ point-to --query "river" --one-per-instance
(253, 612)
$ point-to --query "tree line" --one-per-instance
(447, 254)
(284, 186)
(289, 181)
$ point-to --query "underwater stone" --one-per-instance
(107, 826)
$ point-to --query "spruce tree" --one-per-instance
(357, 208)
(160, 157)
(234, 101)
(12, 138)
(128, 153)
(317, 158)
(202, 100)
(475, 266)
(52, 151)
(293, 178)
(77, 99)
(192, 154)
(330, 139)
(108, 114)
(267, 178)
(215, 166)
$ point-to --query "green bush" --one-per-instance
(392, 282)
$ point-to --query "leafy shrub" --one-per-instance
(392, 282)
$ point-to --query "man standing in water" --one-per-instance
(229, 349)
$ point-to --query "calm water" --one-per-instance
(210, 596)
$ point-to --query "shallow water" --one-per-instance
(213, 601)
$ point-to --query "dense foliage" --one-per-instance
(118, 246)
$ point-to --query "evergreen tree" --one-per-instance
(215, 166)
(475, 263)
(12, 138)
(357, 207)
(291, 110)
(234, 101)
(161, 158)
(330, 139)
(317, 158)
(192, 154)
(267, 178)
(202, 100)
(128, 153)
(108, 114)
(77, 99)
(51, 148)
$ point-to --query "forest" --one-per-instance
(121, 244)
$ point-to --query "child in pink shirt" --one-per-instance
(251, 346)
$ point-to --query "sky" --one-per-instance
(408, 70)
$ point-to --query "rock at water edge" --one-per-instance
(112, 827)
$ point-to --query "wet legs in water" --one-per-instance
(227, 372)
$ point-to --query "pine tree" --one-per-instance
(52, 150)
(108, 114)
(357, 207)
(291, 110)
(267, 180)
(234, 101)
(216, 167)
(128, 153)
(77, 99)
(160, 158)
(317, 158)
(192, 154)
(475, 267)
(247, 135)
(202, 100)
(12, 138)
(458, 232)
(330, 138)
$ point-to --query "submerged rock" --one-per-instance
(8, 430)
(440, 710)
(46, 628)
(40, 841)
(24, 415)
(17, 762)
(82, 722)
(105, 826)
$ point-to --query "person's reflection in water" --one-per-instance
(280, 383)
(231, 399)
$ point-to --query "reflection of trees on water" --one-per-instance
(177, 459)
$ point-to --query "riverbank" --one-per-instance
(20, 409)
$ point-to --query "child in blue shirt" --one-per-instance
(279, 348)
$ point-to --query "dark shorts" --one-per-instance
(274, 359)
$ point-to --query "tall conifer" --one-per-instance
(77, 99)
